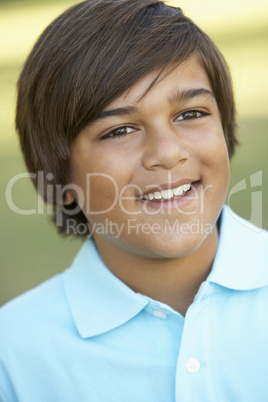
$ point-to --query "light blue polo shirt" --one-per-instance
(84, 336)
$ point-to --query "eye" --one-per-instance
(118, 132)
(191, 115)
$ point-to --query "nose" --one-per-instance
(164, 148)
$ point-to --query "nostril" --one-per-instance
(165, 155)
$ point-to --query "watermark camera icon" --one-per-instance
(256, 200)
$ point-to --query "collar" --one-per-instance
(241, 261)
(98, 300)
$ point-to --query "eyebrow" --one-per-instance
(188, 94)
(121, 111)
(179, 96)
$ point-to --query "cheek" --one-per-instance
(213, 148)
(219, 167)
(220, 159)
(102, 189)
(214, 161)
(101, 193)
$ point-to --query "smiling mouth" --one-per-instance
(167, 194)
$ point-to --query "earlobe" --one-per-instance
(68, 198)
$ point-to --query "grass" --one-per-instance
(31, 251)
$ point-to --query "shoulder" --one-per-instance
(22, 316)
(27, 324)
(38, 295)
(241, 261)
(41, 310)
(241, 232)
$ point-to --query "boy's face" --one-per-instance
(170, 139)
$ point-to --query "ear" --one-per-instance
(68, 198)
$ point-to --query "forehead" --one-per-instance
(177, 77)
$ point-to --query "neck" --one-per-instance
(173, 281)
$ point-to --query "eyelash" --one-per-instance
(112, 133)
(200, 112)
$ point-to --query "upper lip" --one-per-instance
(166, 186)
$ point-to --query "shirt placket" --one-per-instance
(193, 377)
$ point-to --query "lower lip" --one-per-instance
(177, 203)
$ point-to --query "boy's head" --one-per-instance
(87, 58)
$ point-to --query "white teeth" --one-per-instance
(167, 194)
(186, 187)
(178, 190)
(157, 195)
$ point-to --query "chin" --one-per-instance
(170, 247)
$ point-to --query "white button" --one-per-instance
(159, 314)
(193, 365)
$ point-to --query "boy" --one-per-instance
(126, 107)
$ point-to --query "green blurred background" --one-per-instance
(30, 249)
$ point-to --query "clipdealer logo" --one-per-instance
(251, 187)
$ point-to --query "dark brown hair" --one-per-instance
(90, 55)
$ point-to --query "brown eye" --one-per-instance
(119, 132)
(191, 115)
